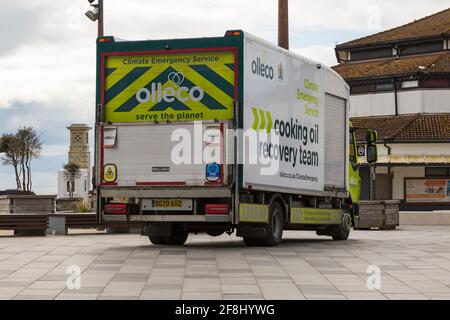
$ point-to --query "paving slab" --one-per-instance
(414, 264)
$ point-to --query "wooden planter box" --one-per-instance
(378, 215)
(18, 204)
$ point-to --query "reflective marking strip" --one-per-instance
(253, 213)
(316, 216)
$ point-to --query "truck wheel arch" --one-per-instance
(277, 197)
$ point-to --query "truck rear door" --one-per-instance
(164, 113)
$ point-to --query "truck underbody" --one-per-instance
(260, 217)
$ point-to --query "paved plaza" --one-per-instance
(414, 263)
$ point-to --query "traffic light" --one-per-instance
(372, 150)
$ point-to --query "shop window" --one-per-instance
(422, 48)
(385, 87)
(437, 172)
(371, 54)
(409, 84)
(359, 89)
(435, 83)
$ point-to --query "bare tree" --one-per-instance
(19, 150)
(10, 148)
(71, 173)
(31, 149)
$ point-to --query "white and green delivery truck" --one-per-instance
(216, 135)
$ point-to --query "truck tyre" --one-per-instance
(156, 240)
(178, 237)
(252, 242)
(274, 229)
(276, 226)
(342, 232)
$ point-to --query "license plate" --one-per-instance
(167, 204)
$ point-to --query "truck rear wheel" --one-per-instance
(342, 232)
(178, 237)
(252, 242)
(275, 228)
(156, 240)
(276, 225)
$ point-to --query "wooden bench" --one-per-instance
(25, 224)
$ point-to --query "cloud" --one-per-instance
(321, 54)
(54, 151)
(17, 14)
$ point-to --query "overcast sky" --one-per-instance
(47, 51)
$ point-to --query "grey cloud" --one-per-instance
(18, 26)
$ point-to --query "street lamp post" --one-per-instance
(96, 15)
(283, 24)
(100, 19)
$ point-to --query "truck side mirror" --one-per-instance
(371, 137)
(372, 154)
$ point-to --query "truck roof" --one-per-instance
(235, 33)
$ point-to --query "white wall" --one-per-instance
(380, 104)
(436, 101)
(411, 101)
(80, 183)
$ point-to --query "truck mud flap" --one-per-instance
(311, 216)
(253, 220)
(252, 230)
(253, 213)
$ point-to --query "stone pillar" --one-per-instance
(79, 148)
(79, 145)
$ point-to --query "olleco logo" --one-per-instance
(169, 94)
(261, 69)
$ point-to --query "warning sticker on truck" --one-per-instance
(170, 87)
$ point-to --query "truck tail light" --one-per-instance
(233, 33)
(116, 208)
(217, 209)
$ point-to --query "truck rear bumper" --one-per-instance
(214, 218)
(164, 192)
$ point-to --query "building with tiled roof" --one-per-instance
(406, 128)
(400, 86)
